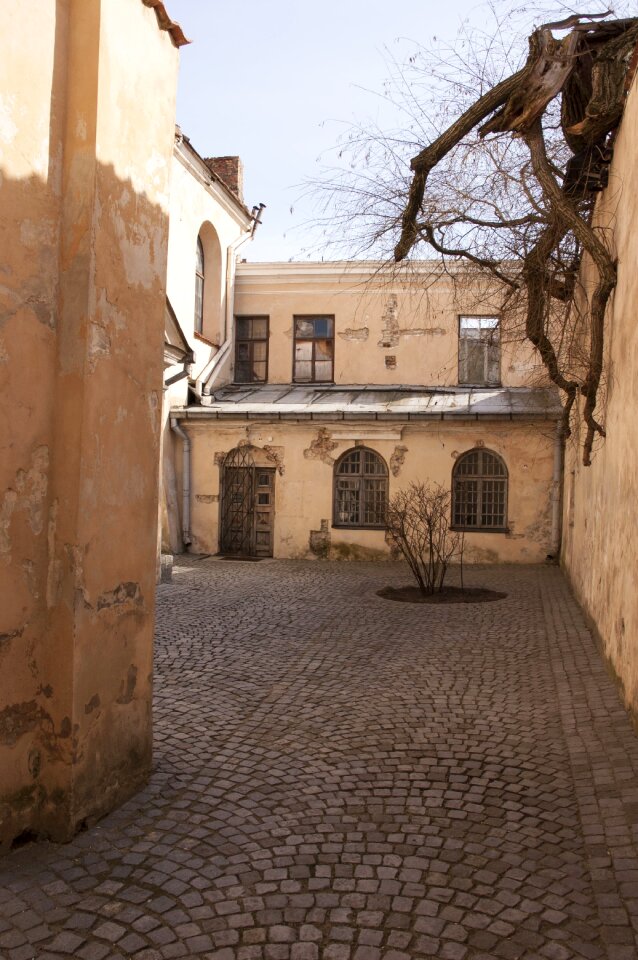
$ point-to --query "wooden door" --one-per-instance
(264, 511)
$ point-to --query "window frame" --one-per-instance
(485, 382)
(313, 340)
(200, 278)
(480, 478)
(361, 477)
(251, 341)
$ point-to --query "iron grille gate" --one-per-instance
(238, 495)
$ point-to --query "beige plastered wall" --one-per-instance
(304, 455)
(600, 528)
(84, 178)
(396, 327)
(199, 206)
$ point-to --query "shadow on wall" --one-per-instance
(82, 295)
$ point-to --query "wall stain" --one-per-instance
(127, 689)
(127, 592)
(6, 638)
(21, 718)
(319, 541)
(27, 494)
(93, 704)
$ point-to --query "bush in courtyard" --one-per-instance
(418, 524)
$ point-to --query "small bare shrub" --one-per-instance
(418, 524)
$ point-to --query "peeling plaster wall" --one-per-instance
(410, 319)
(84, 174)
(303, 495)
(600, 523)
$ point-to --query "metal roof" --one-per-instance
(353, 402)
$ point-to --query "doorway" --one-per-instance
(247, 506)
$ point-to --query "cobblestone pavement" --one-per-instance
(339, 776)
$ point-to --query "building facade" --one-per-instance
(343, 383)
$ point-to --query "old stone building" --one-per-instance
(295, 399)
(339, 384)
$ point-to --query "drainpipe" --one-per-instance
(557, 492)
(186, 481)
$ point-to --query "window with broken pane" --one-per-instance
(251, 349)
(479, 351)
(479, 491)
(313, 350)
(360, 489)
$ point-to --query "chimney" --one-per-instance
(230, 171)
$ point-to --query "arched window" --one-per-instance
(479, 491)
(199, 288)
(360, 489)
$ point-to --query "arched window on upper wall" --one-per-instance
(209, 289)
(479, 491)
(360, 489)
(199, 287)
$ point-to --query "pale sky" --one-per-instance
(276, 81)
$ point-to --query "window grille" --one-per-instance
(479, 491)
(479, 351)
(360, 489)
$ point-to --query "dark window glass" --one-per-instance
(360, 489)
(199, 288)
(479, 491)
(251, 349)
(479, 351)
(314, 350)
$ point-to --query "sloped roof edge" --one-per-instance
(177, 35)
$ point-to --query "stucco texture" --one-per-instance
(600, 541)
(83, 221)
(410, 316)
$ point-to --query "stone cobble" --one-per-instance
(341, 777)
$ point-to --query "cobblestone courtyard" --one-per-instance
(339, 776)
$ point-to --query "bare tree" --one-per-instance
(418, 524)
(516, 153)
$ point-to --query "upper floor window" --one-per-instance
(251, 349)
(199, 288)
(360, 489)
(479, 491)
(314, 350)
(479, 350)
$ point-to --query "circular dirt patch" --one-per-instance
(446, 595)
